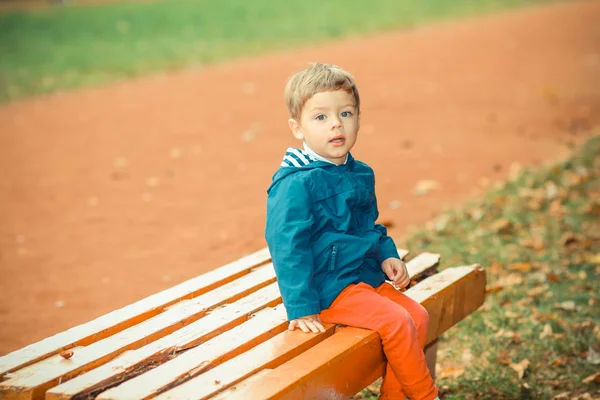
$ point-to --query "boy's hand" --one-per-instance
(395, 269)
(307, 324)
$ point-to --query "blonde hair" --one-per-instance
(318, 77)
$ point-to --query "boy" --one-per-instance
(330, 257)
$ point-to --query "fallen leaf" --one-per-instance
(451, 372)
(66, 354)
(593, 356)
(536, 291)
(524, 267)
(425, 186)
(553, 277)
(476, 214)
(551, 190)
(521, 367)
(502, 226)
(556, 209)
(510, 280)
(560, 361)
(595, 259)
(592, 378)
(563, 395)
(546, 332)
(568, 239)
(566, 305)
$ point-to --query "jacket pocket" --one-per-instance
(333, 257)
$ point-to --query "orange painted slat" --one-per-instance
(266, 324)
(118, 320)
(350, 355)
(134, 362)
(267, 355)
(243, 384)
(37, 378)
(448, 296)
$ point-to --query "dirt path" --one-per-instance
(110, 194)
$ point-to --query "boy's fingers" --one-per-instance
(293, 325)
(302, 326)
(320, 326)
(312, 326)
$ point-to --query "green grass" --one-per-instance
(66, 47)
(539, 239)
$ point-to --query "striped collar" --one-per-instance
(299, 158)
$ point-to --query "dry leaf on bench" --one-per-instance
(66, 354)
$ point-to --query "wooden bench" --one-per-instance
(222, 335)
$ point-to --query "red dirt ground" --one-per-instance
(110, 194)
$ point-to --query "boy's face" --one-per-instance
(328, 124)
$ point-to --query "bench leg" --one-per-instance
(431, 356)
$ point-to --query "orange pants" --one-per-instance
(402, 324)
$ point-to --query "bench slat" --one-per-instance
(242, 385)
(133, 363)
(35, 379)
(118, 320)
(267, 355)
(328, 369)
(422, 264)
(266, 324)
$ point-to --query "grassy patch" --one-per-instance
(538, 334)
(65, 47)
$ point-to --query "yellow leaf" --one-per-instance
(546, 332)
(521, 367)
(592, 378)
(536, 291)
(595, 259)
(566, 305)
(451, 372)
(502, 226)
(425, 186)
(524, 267)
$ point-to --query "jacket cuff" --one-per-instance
(302, 311)
(388, 250)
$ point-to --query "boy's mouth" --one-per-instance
(338, 140)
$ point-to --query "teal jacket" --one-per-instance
(321, 231)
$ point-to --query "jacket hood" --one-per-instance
(296, 160)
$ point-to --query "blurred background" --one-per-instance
(138, 138)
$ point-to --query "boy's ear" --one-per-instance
(296, 129)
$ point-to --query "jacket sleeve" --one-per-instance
(288, 234)
(387, 247)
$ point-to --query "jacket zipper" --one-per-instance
(333, 257)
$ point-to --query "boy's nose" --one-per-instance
(336, 122)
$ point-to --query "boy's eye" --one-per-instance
(320, 117)
(346, 114)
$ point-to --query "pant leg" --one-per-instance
(420, 318)
(361, 306)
